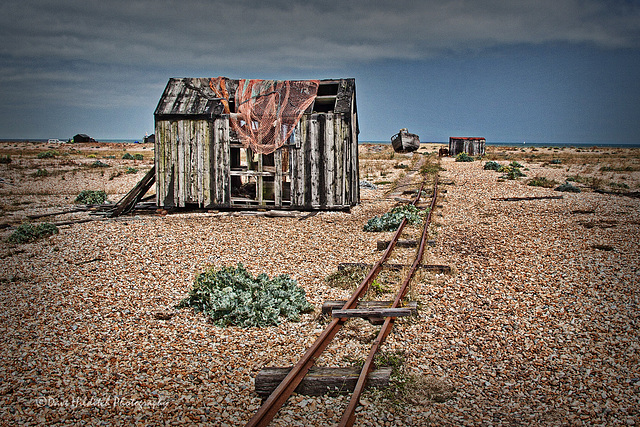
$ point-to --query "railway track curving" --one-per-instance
(283, 391)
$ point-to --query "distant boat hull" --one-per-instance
(405, 142)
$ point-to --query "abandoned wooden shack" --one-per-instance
(470, 145)
(224, 143)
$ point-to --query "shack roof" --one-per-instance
(195, 98)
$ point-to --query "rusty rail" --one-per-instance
(348, 417)
(281, 394)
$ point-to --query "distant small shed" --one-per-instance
(471, 145)
(82, 137)
(225, 143)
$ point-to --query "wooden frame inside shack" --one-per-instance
(199, 159)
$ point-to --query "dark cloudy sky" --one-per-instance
(508, 70)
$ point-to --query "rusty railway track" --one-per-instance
(281, 394)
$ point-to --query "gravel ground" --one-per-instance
(536, 325)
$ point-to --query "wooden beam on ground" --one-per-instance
(516, 199)
(329, 306)
(83, 209)
(368, 313)
(77, 221)
(320, 380)
(430, 267)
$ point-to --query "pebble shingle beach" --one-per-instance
(538, 323)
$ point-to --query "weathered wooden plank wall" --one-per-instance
(183, 162)
(193, 163)
(323, 167)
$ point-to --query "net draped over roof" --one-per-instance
(267, 111)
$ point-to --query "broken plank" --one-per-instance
(329, 306)
(320, 380)
(77, 221)
(516, 199)
(57, 213)
(371, 312)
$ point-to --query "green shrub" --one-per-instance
(464, 157)
(47, 154)
(99, 164)
(138, 156)
(131, 170)
(492, 166)
(390, 221)
(5, 159)
(232, 296)
(41, 172)
(127, 156)
(430, 169)
(511, 172)
(619, 185)
(91, 197)
(568, 188)
(555, 162)
(26, 232)
(541, 181)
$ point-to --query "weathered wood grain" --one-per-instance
(321, 380)
(329, 306)
(371, 312)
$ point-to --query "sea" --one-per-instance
(493, 143)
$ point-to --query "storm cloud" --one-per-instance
(100, 54)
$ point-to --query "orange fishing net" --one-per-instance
(267, 111)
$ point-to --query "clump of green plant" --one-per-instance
(47, 154)
(99, 164)
(511, 172)
(91, 197)
(127, 156)
(619, 185)
(464, 157)
(577, 178)
(430, 169)
(617, 169)
(492, 166)
(27, 232)
(377, 288)
(131, 170)
(232, 296)
(541, 181)
(390, 221)
(406, 387)
(41, 173)
(5, 159)
(566, 187)
(555, 162)
(515, 164)
(138, 156)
